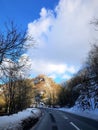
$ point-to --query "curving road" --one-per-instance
(57, 120)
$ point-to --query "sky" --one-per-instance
(61, 30)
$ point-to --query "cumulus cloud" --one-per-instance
(50, 68)
(39, 28)
(66, 76)
(63, 35)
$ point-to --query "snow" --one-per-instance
(13, 122)
(92, 114)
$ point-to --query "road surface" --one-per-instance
(57, 120)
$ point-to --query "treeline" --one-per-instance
(15, 89)
(17, 95)
(82, 88)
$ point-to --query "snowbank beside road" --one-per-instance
(93, 114)
(13, 122)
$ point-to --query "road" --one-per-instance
(58, 120)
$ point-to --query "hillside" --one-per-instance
(88, 94)
(45, 90)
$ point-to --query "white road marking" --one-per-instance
(65, 117)
(77, 128)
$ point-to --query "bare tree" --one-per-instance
(13, 42)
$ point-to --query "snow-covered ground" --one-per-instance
(13, 122)
(93, 114)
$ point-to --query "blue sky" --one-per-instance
(23, 11)
(60, 29)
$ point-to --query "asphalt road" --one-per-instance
(57, 120)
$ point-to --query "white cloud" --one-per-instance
(39, 28)
(53, 76)
(51, 69)
(63, 35)
(48, 68)
(66, 76)
(43, 13)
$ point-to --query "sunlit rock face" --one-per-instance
(45, 89)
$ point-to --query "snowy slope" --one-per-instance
(87, 103)
(93, 114)
(13, 122)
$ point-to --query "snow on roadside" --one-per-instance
(14, 121)
(93, 114)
